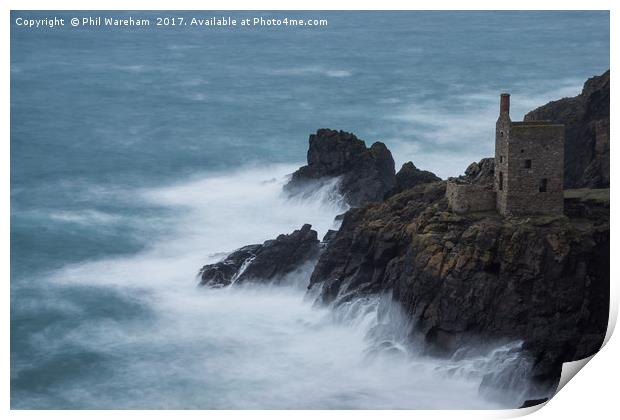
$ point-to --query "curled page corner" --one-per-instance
(570, 369)
(521, 412)
(611, 320)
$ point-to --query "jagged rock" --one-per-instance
(329, 235)
(366, 174)
(542, 279)
(409, 176)
(586, 148)
(268, 262)
(481, 172)
(222, 273)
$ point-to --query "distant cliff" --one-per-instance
(586, 117)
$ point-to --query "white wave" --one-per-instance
(262, 347)
(135, 68)
(309, 71)
(86, 217)
(212, 214)
(245, 347)
(198, 96)
(338, 73)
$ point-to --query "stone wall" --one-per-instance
(464, 198)
(502, 134)
(534, 173)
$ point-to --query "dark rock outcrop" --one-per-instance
(366, 174)
(329, 235)
(409, 176)
(267, 262)
(586, 117)
(544, 280)
(223, 273)
(532, 403)
(482, 172)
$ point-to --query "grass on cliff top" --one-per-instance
(589, 194)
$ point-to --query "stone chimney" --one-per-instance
(504, 103)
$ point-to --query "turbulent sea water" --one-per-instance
(140, 154)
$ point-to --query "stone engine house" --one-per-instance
(528, 170)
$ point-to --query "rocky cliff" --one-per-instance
(409, 176)
(479, 276)
(586, 117)
(464, 279)
(481, 173)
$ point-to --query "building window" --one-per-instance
(501, 181)
(522, 150)
(527, 163)
(542, 186)
(501, 134)
(501, 159)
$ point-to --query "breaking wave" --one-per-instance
(136, 332)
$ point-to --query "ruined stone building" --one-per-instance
(528, 170)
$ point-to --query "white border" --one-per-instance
(592, 394)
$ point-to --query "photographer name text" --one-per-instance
(171, 21)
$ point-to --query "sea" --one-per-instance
(141, 153)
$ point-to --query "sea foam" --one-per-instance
(241, 347)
